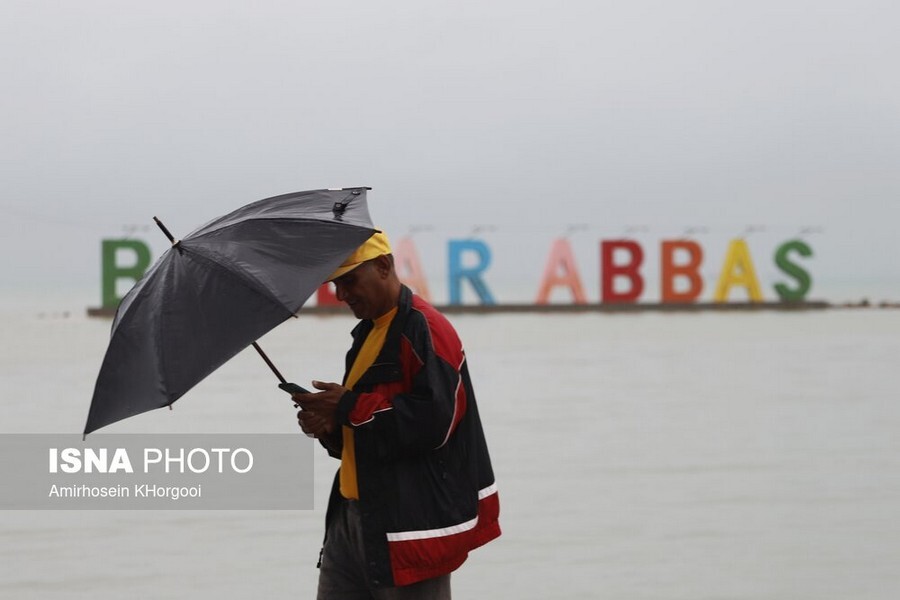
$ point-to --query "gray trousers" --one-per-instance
(342, 575)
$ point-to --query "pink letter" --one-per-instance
(561, 271)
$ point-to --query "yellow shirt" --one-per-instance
(367, 355)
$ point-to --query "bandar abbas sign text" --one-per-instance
(622, 271)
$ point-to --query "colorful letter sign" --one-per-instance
(621, 277)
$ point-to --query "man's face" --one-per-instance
(363, 289)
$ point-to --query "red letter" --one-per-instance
(630, 270)
(669, 271)
(325, 295)
(561, 257)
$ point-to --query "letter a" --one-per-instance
(409, 268)
(738, 271)
(561, 259)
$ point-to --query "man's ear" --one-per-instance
(384, 264)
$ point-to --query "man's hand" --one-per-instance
(317, 411)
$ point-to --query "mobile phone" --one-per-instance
(293, 388)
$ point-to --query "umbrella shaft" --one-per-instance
(269, 362)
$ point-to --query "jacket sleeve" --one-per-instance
(333, 443)
(419, 413)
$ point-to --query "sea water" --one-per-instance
(638, 456)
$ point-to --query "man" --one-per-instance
(415, 491)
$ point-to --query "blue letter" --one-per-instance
(457, 272)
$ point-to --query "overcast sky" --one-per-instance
(528, 116)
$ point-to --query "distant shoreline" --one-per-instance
(635, 307)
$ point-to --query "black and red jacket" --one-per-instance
(426, 486)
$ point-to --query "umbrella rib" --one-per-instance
(201, 232)
(299, 196)
(239, 276)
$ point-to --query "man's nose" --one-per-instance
(340, 293)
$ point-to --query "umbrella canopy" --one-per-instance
(218, 290)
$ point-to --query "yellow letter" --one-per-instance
(738, 270)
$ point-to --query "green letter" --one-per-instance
(113, 272)
(803, 280)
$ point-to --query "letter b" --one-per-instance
(687, 272)
(630, 271)
(112, 271)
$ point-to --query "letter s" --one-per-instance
(783, 262)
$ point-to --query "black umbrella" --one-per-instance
(219, 289)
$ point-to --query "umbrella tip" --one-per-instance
(165, 231)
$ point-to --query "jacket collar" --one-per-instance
(387, 366)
